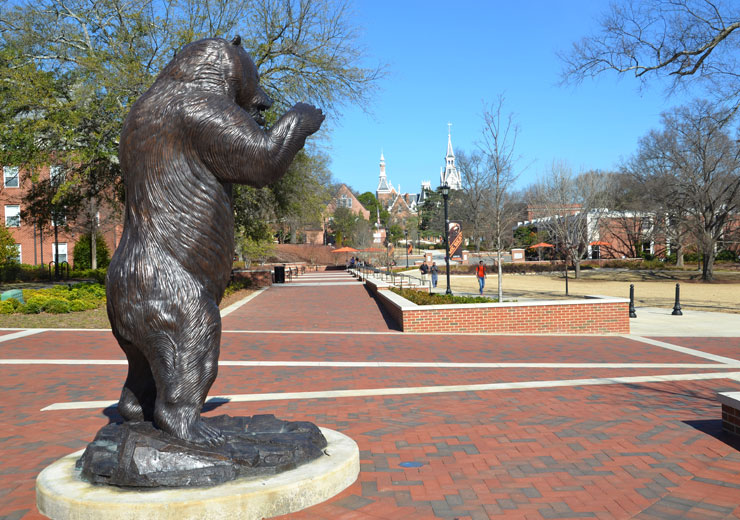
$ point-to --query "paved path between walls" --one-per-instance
(452, 427)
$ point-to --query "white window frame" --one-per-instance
(12, 172)
(345, 201)
(54, 172)
(62, 252)
(12, 211)
(19, 258)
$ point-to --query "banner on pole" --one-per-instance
(456, 239)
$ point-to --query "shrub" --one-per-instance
(56, 306)
(77, 306)
(7, 307)
(59, 299)
(31, 307)
(237, 285)
(15, 272)
(424, 298)
(653, 264)
(83, 255)
(90, 274)
(726, 256)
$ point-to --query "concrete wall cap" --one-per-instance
(731, 399)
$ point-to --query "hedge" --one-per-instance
(424, 298)
(14, 272)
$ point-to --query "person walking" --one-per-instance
(480, 273)
(435, 274)
(424, 269)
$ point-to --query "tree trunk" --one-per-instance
(93, 237)
(707, 266)
(56, 249)
(679, 255)
(577, 265)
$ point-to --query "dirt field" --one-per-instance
(652, 288)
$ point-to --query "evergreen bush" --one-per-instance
(726, 256)
(83, 255)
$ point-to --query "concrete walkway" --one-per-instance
(653, 321)
(449, 427)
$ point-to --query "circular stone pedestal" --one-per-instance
(61, 495)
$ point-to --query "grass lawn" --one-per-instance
(652, 288)
(94, 319)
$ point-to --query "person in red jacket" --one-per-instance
(480, 273)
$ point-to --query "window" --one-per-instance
(344, 201)
(10, 176)
(12, 216)
(62, 252)
(18, 257)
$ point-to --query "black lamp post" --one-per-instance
(406, 244)
(445, 195)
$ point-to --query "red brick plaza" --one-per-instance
(452, 427)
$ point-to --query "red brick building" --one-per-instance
(343, 198)
(34, 246)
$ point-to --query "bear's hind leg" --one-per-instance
(139, 391)
(185, 369)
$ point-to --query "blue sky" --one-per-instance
(446, 59)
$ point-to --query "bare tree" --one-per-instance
(687, 41)
(570, 208)
(475, 201)
(498, 144)
(694, 167)
(631, 221)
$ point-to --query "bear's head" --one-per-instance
(217, 65)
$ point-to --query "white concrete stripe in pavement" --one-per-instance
(683, 350)
(234, 306)
(21, 334)
(335, 394)
(387, 364)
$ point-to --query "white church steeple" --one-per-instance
(449, 174)
(383, 186)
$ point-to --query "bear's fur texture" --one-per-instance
(184, 142)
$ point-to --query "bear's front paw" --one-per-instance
(309, 117)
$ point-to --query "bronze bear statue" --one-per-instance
(184, 142)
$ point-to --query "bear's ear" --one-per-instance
(237, 40)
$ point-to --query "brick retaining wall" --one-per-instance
(259, 277)
(730, 412)
(592, 315)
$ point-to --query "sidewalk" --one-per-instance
(652, 321)
(449, 427)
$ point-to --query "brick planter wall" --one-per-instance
(592, 315)
(730, 412)
(259, 277)
(554, 318)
